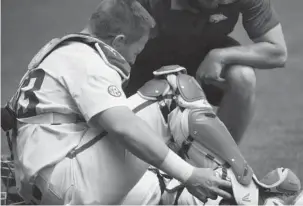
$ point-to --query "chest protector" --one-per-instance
(109, 55)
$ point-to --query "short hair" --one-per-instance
(114, 17)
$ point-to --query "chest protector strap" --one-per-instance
(110, 56)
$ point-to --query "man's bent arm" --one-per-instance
(140, 140)
(143, 142)
(269, 51)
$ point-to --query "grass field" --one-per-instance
(275, 137)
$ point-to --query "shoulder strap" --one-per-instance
(110, 56)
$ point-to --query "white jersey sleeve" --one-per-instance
(99, 89)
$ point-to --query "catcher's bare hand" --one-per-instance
(204, 184)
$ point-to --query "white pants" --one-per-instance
(64, 184)
(146, 192)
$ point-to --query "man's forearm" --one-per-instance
(262, 55)
(143, 142)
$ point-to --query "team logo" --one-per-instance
(114, 91)
(216, 18)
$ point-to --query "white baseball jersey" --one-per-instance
(74, 79)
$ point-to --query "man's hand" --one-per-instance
(204, 184)
(210, 70)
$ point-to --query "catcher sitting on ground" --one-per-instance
(76, 141)
(174, 105)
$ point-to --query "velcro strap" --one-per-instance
(162, 178)
(179, 192)
(52, 118)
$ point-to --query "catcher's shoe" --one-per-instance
(280, 186)
(299, 199)
(285, 200)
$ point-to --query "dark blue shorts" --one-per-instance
(168, 51)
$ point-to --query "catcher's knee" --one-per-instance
(198, 128)
(206, 126)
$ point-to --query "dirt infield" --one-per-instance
(275, 137)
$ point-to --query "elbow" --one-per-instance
(283, 57)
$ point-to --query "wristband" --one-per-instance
(176, 167)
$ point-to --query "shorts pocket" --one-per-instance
(57, 183)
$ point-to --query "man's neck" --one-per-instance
(88, 31)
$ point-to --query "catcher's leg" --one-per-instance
(55, 184)
(299, 199)
(202, 135)
(146, 192)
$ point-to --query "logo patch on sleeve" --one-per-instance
(114, 91)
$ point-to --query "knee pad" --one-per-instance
(203, 140)
(207, 129)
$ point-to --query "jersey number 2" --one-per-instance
(30, 85)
